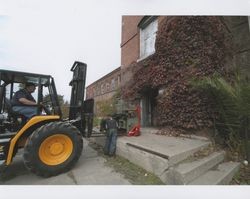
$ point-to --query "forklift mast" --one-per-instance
(79, 70)
(81, 112)
(54, 98)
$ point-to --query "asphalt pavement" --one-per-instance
(89, 170)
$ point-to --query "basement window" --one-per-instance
(148, 29)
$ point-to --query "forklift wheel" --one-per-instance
(52, 149)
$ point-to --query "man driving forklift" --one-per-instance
(51, 145)
(23, 102)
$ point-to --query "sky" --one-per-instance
(47, 36)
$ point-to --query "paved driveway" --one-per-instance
(90, 170)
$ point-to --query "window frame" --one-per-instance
(144, 23)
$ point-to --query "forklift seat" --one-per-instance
(12, 113)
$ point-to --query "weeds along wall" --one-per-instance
(186, 48)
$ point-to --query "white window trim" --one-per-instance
(143, 26)
(144, 57)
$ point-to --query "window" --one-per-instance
(98, 89)
(118, 80)
(113, 84)
(102, 88)
(107, 87)
(148, 29)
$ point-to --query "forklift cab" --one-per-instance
(11, 82)
(51, 145)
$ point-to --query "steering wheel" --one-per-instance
(44, 106)
(46, 109)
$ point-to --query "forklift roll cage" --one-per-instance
(11, 77)
(80, 111)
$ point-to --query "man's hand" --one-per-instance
(41, 104)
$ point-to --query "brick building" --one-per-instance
(133, 30)
(139, 35)
(138, 42)
(104, 88)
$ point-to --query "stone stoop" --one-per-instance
(170, 158)
(183, 155)
(145, 159)
(221, 175)
(154, 159)
(210, 170)
(187, 171)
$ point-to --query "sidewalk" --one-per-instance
(89, 170)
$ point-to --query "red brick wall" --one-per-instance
(130, 40)
(130, 45)
(94, 90)
(90, 92)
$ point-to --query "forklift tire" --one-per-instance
(52, 149)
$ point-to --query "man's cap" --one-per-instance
(30, 84)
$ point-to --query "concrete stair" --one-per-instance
(143, 157)
(210, 170)
(171, 158)
(185, 172)
(221, 175)
(157, 153)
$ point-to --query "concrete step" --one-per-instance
(182, 155)
(149, 130)
(222, 175)
(159, 153)
(153, 130)
(188, 171)
(142, 157)
(155, 156)
(175, 148)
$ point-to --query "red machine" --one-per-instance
(135, 131)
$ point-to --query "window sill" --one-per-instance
(142, 58)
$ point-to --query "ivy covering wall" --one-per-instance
(186, 48)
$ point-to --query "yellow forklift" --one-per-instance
(50, 145)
